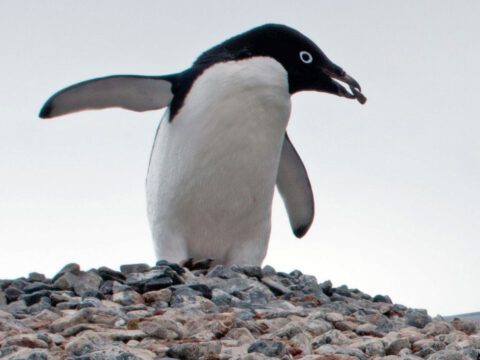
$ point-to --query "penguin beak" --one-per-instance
(337, 73)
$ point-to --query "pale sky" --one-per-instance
(396, 182)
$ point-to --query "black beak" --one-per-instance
(337, 73)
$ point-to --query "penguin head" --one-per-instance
(307, 66)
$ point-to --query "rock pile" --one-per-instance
(169, 312)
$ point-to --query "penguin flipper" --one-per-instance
(295, 189)
(131, 92)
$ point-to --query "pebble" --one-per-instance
(238, 312)
(268, 348)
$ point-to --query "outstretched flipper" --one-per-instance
(131, 92)
(295, 189)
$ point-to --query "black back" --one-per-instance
(277, 41)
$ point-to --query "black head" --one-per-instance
(307, 66)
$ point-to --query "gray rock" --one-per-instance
(3, 298)
(223, 272)
(317, 326)
(335, 349)
(69, 268)
(368, 330)
(12, 294)
(34, 276)
(268, 348)
(249, 270)
(162, 328)
(221, 298)
(289, 330)
(25, 340)
(276, 287)
(108, 274)
(268, 270)
(371, 347)
(417, 317)
(134, 268)
(342, 290)
(394, 347)
(438, 328)
(447, 355)
(333, 337)
(302, 342)
(467, 326)
(30, 354)
(382, 299)
(127, 297)
(35, 297)
(37, 286)
(184, 351)
(243, 335)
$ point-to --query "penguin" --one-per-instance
(221, 146)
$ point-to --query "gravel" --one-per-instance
(166, 311)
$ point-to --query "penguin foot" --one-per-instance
(192, 265)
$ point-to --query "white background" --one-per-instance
(396, 181)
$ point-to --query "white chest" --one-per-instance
(213, 169)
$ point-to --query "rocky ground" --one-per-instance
(167, 311)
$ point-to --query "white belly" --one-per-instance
(213, 169)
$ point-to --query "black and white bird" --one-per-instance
(221, 146)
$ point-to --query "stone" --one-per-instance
(303, 342)
(371, 347)
(86, 281)
(368, 330)
(175, 267)
(162, 328)
(221, 298)
(337, 350)
(37, 286)
(397, 345)
(35, 276)
(289, 330)
(87, 342)
(12, 294)
(134, 268)
(242, 335)
(447, 355)
(268, 270)
(382, 299)
(35, 297)
(334, 337)
(276, 287)
(249, 270)
(127, 297)
(108, 274)
(317, 326)
(25, 340)
(157, 284)
(223, 272)
(29, 354)
(427, 347)
(184, 351)
(417, 318)
(69, 268)
(342, 290)
(466, 326)
(438, 328)
(41, 320)
(334, 317)
(163, 295)
(268, 348)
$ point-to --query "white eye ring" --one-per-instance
(306, 57)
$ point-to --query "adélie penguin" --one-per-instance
(221, 146)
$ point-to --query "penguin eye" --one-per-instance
(306, 57)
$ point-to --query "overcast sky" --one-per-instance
(396, 181)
